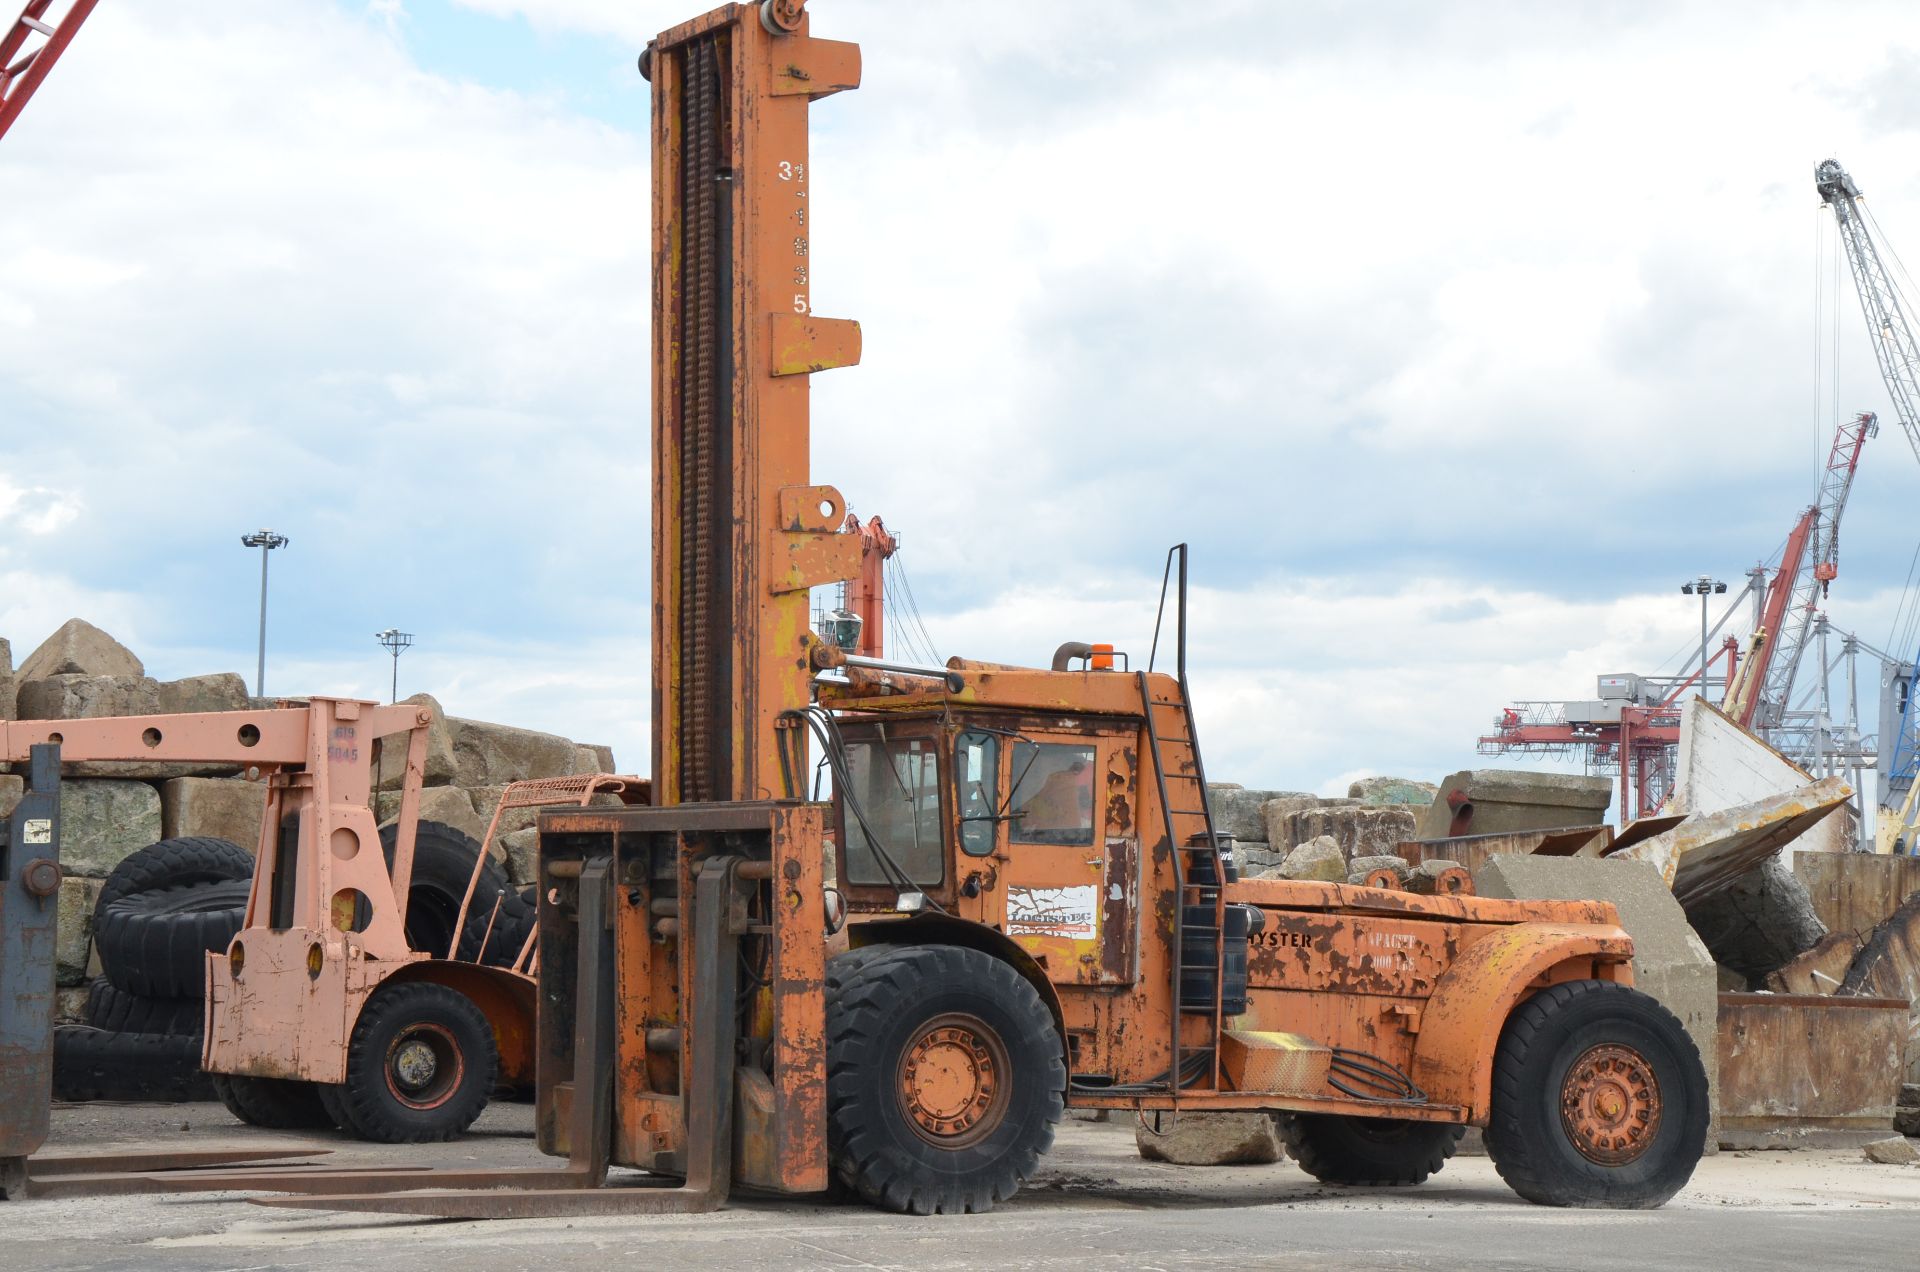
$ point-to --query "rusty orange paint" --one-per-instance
(1453, 1060)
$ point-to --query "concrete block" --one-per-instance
(1393, 790)
(7, 682)
(11, 789)
(70, 1005)
(448, 805)
(80, 648)
(223, 691)
(1669, 961)
(72, 696)
(225, 808)
(440, 761)
(1360, 831)
(1492, 801)
(1276, 813)
(593, 759)
(1360, 867)
(1319, 859)
(1255, 859)
(1896, 1151)
(522, 849)
(1236, 810)
(1210, 1139)
(73, 930)
(103, 821)
(1760, 922)
(496, 754)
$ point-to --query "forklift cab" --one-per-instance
(1022, 824)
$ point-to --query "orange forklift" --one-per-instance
(1014, 898)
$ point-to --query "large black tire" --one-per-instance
(1377, 1151)
(279, 1104)
(941, 1010)
(1599, 1099)
(93, 1064)
(190, 859)
(117, 1011)
(155, 943)
(442, 866)
(420, 1067)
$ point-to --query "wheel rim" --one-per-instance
(1610, 1104)
(424, 1066)
(954, 1080)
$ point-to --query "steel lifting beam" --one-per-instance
(23, 69)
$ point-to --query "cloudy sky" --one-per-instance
(1452, 336)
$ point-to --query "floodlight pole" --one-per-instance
(396, 641)
(266, 541)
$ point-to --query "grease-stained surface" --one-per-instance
(1094, 1203)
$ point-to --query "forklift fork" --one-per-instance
(581, 1187)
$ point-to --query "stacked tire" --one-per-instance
(158, 915)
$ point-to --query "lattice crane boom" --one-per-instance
(1881, 302)
(28, 49)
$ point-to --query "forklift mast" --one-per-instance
(740, 532)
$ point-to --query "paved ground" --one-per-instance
(1096, 1204)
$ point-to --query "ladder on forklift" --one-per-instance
(1200, 867)
(22, 69)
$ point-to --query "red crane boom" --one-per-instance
(22, 69)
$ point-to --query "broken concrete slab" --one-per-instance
(1669, 960)
(588, 758)
(7, 682)
(1708, 851)
(11, 789)
(1895, 1151)
(79, 648)
(1393, 790)
(1255, 859)
(522, 851)
(1888, 966)
(223, 807)
(77, 696)
(1320, 859)
(103, 821)
(1492, 801)
(1807, 1071)
(1210, 1139)
(1760, 922)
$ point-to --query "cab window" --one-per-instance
(1052, 794)
(896, 785)
(976, 777)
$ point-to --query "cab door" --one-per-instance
(1071, 877)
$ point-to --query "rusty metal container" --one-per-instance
(1803, 1071)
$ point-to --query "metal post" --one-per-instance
(266, 541)
(1703, 642)
(395, 641)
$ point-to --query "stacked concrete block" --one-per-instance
(6, 680)
(1393, 790)
(1492, 801)
(1359, 830)
(218, 807)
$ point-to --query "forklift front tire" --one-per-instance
(420, 1068)
(1599, 1099)
(944, 1078)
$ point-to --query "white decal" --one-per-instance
(38, 830)
(1070, 912)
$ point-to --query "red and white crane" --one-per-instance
(30, 47)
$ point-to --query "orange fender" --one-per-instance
(1453, 1056)
(506, 998)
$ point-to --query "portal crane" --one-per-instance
(29, 49)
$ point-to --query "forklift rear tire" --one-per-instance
(1376, 1151)
(1599, 1099)
(944, 1078)
(279, 1104)
(420, 1068)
